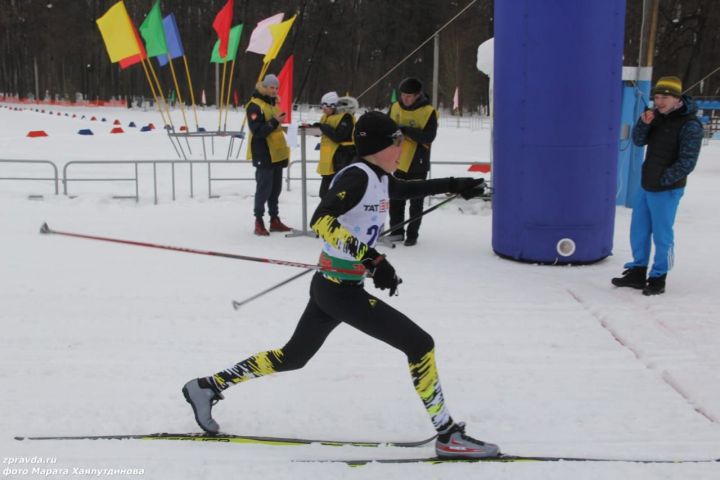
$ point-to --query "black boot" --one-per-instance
(632, 277)
(655, 285)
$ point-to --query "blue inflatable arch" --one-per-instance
(557, 100)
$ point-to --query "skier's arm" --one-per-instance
(468, 187)
(345, 193)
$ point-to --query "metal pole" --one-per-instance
(436, 69)
(217, 85)
(648, 32)
(137, 184)
(303, 177)
(37, 82)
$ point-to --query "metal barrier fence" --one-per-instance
(54, 178)
(67, 179)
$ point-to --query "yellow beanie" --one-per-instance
(668, 86)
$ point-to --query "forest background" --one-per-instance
(342, 45)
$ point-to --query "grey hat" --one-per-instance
(271, 80)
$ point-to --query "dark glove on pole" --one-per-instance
(467, 187)
(382, 273)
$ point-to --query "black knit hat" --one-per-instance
(410, 85)
(374, 131)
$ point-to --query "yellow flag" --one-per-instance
(279, 32)
(117, 32)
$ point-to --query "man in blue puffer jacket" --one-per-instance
(673, 136)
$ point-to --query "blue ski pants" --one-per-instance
(652, 221)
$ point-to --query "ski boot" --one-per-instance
(202, 399)
(454, 443)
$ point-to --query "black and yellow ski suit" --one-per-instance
(335, 300)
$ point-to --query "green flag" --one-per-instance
(153, 33)
(233, 45)
(393, 96)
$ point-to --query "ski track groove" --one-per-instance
(662, 373)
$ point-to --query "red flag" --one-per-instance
(285, 92)
(222, 24)
(235, 98)
(130, 61)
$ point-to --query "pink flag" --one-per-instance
(203, 101)
(456, 99)
(261, 39)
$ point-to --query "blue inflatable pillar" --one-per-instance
(557, 99)
(635, 99)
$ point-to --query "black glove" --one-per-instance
(467, 187)
(316, 125)
(382, 273)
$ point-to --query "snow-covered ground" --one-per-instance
(98, 338)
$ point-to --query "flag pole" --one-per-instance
(229, 88)
(192, 94)
(162, 95)
(192, 99)
(180, 99)
(177, 88)
(152, 89)
(157, 102)
(181, 153)
(222, 93)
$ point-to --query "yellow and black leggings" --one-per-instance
(330, 304)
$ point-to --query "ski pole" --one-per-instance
(418, 216)
(45, 229)
(236, 305)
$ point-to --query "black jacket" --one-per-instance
(261, 128)
(673, 145)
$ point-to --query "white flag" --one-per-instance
(203, 101)
(261, 39)
(456, 99)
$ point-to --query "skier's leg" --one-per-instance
(354, 306)
(312, 330)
